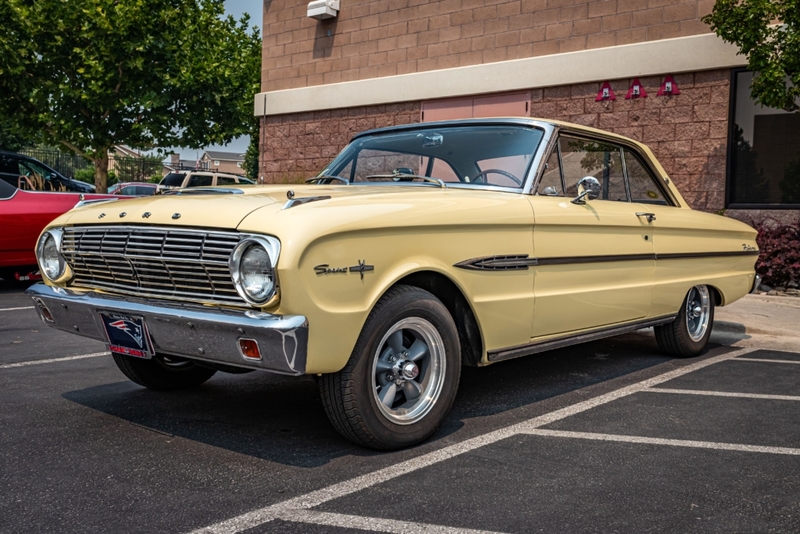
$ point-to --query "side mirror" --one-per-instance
(53, 176)
(588, 186)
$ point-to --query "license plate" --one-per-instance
(127, 334)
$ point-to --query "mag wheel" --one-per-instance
(688, 334)
(402, 376)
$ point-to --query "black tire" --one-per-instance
(161, 373)
(675, 338)
(350, 397)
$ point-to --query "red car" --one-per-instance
(23, 215)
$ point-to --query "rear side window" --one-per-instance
(173, 179)
(199, 180)
(643, 186)
(224, 180)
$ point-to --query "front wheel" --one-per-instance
(688, 334)
(163, 373)
(402, 376)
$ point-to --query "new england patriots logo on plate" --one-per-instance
(130, 328)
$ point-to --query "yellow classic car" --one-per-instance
(419, 249)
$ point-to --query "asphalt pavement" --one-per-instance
(609, 436)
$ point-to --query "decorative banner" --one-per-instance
(636, 90)
(669, 87)
(605, 93)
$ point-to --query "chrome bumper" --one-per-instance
(194, 332)
(756, 283)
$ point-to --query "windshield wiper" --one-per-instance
(328, 177)
(403, 175)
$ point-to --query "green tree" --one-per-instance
(90, 74)
(253, 152)
(768, 33)
(11, 140)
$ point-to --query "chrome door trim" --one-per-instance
(518, 351)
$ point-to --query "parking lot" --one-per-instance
(608, 436)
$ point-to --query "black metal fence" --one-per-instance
(65, 163)
(137, 169)
(124, 168)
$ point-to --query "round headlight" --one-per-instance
(51, 262)
(252, 267)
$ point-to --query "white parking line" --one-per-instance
(724, 394)
(347, 487)
(662, 441)
(15, 309)
(54, 360)
(373, 524)
(761, 360)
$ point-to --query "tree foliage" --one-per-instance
(91, 74)
(768, 33)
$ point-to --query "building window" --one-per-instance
(239, 164)
(764, 152)
(216, 163)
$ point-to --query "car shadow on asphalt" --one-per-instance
(281, 419)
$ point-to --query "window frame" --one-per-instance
(730, 159)
(671, 201)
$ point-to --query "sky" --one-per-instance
(235, 8)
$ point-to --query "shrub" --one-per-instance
(85, 174)
(779, 260)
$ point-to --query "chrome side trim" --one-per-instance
(522, 261)
(203, 191)
(498, 263)
(756, 283)
(199, 333)
(685, 255)
(541, 346)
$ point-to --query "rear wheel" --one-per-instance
(402, 376)
(163, 373)
(688, 334)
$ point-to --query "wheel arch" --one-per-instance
(453, 298)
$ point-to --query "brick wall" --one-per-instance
(687, 132)
(299, 145)
(374, 38)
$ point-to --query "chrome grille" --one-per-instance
(170, 263)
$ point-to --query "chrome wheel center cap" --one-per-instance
(409, 370)
(696, 311)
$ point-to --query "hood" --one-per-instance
(197, 210)
(260, 209)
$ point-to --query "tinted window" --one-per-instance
(9, 165)
(246, 181)
(582, 157)
(765, 151)
(224, 180)
(173, 179)
(137, 190)
(6, 190)
(642, 184)
(199, 180)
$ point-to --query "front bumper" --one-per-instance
(193, 332)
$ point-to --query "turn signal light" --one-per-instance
(249, 349)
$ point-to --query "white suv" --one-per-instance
(175, 180)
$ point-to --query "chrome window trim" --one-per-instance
(534, 168)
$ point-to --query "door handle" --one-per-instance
(649, 216)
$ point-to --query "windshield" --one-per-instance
(465, 155)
